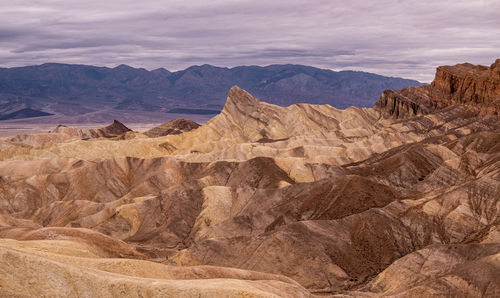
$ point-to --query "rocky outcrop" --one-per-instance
(476, 87)
(113, 130)
(173, 127)
(408, 102)
(64, 134)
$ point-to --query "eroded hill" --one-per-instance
(265, 200)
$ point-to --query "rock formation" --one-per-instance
(173, 127)
(265, 200)
(475, 86)
(113, 130)
(63, 133)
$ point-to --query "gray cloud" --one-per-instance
(389, 37)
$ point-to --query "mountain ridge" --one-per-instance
(67, 89)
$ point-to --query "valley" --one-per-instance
(262, 200)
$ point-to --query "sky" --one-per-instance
(394, 38)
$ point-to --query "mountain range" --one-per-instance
(398, 200)
(76, 90)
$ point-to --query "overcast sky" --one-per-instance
(389, 37)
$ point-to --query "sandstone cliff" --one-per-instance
(476, 87)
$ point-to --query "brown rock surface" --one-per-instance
(173, 127)
(475, 86)
(61, 268)
(262, 200)
(113, 130)
(457, 270)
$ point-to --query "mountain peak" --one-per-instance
(239, 100)
(117, 126)
(123, 66)
(115, 129)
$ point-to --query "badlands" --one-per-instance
(399, 200)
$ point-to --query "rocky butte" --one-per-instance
(401, 200)
(475, 86)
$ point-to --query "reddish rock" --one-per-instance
(475, 86)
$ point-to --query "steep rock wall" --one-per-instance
(475, 86)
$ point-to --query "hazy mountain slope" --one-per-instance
(24, 113)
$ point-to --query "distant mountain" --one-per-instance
(71, 90)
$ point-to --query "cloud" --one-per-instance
(389, 37)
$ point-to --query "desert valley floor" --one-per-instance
(399, 200)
